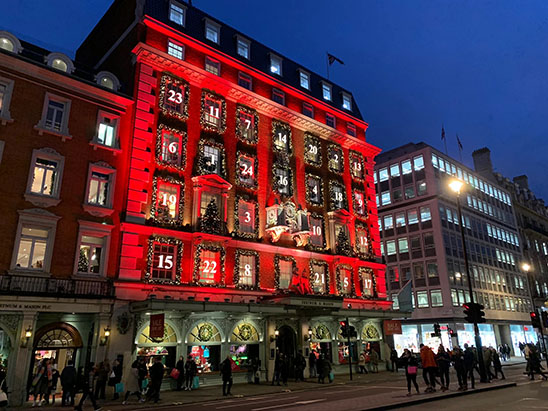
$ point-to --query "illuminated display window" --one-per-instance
(246, 269)
(177, 12)
(213, 117)
(367, 280)
(171, 147)
(304, 79)
(342, 239)
(363, 241)
(335, 159)
(281, 138)
(107, 130)
(285, 266)
(246, 170)
(282, 180)
(356, 165)
(209, 265)
(167, 205)
(345, 283)
(247, 125)
(164, 260)
(246, 218)
(211, 158)
(319, 277)
(173, 97)
(358, 204)
(337, 196)
(317, 239)
(326, 91)
(314, 194)
(312, 150)
(275, 64)
(347, 101)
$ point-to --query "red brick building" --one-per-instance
(250, 221)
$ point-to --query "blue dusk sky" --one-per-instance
(480, 67)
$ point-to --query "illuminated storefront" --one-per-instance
(409, 338)
(204, 345)
(466, 335)
(165, 347)
(522, 334)
(244, 345)
(321, 341)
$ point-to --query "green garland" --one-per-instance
(198, 259)
(249, 253)
(333, 203)
(363, 271)
(178, 222)
(237, 232)
(340, 289)
(180, 115)
(183, 143)
(368, 255)
(294, 271)
(276, 180)
(308, 193)
(311, 264)
(356, 206)
(309, 158)
(220, 129)
(335, 159)
(239, 179)
(202, 166)
(254, 138)
(150, 260)
(310, 246)
(356, 158)
(276, 125)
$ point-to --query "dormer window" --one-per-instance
(347, 101)
(326, 91)
(275, 64)
(177, 13)
(61, 62)
(304, 79)
(212, 31)
(9, 42)
(243, 47)
(107, 80)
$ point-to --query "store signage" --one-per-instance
(156, 326)
(309, 302)
(392, 327)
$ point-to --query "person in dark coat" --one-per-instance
(300, 365)
(88, 389)
(156, 376)
(180, 366)
(457, 356)
(277, 370)
(190, 371)
(497, 366)
(118, 370)
(68, 382)
(312, 364)
(470, 363)
(410, 364)
(394, 359)
(325, 369)
(284, 370)
(226, 374)
(533, 363)
(143, 372)
(444, 361)
(52, 389)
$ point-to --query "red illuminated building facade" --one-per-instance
(249, 222)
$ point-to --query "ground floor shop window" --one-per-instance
(322, 348)
(466, 335)
(167, 354)
(244, 355)
(207, 357)
(521, 334)
(409, 338)
(345, 350)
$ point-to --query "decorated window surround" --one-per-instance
(327, 278)
(340, 288)
(167, 93)
(97, 230)
(252, 136)
(356, 205)
(256, 267)
(369, 252)
(335, 159)
(335, 200)
(213, 248)
(240, 180)
(339, 218)
(357, 165)
(312, 150)
(92, 208)
(202, 160)
(211, 184)
(220, 127)
(179, 183)
(279, 131)
(176, 262)
(276, 179)
(277, 259)
(319, 187)
(180, 147)
(320, 218)
(242, 234)
(363, 272)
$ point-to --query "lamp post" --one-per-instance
(526, 267)
(456, 186)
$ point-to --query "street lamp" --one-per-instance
(456, 186)
(526, 267)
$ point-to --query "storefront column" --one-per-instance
(101, 344)
(22, 359)
(271, 344)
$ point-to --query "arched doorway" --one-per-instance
(286, 344)
(59, 342)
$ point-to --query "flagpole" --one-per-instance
(460, 148)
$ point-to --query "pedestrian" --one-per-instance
(143, 373)
(300, 365)
(284, 370)
(156, 376)
(256, 370)
(457, 357)
(3, 387)
(394, 359)
(470, 362)
(497, 366)
(68, 383)
(444, 362)
(52, 388)
(507, 351)
(374, 356)
(133, 386)
(226, 374)
(103, 372)
(116, 377)
(361, 363)
(487, 360)
(190, 371)
(312, 360)
(411, 366)
(88, 389)
(533, 363)
(325, 369)
(277, 370)
(41, 382)
(180, 366)
(429, 367)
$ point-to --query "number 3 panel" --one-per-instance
(246, 218)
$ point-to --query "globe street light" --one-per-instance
(526, 268)
(456, 186)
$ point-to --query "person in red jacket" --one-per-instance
(429, 368)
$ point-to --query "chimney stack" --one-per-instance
(482, 162)
(522, 181)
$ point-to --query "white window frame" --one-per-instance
(14, 40)
(41, 126)
(306, 75)
(246, 43)
(96, 209)
(40, 219)
(91, 229)
(276, 60)
(183, 9)
(5, 116)
(107, 75)
(114, 119)
(329, 88)
(215, 27)
(38, 199)
(173, 45)
(346, 98)
(51, 57)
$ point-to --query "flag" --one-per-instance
(442, 133)
(405, 297)
(459, 143)
(333, 59)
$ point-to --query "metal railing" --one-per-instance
(13, 284)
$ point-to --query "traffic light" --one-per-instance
(474, 313)
(544, 317)
(451, 332)
(344, 329)
(352, 332)
(535, 320)
(437, 331)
